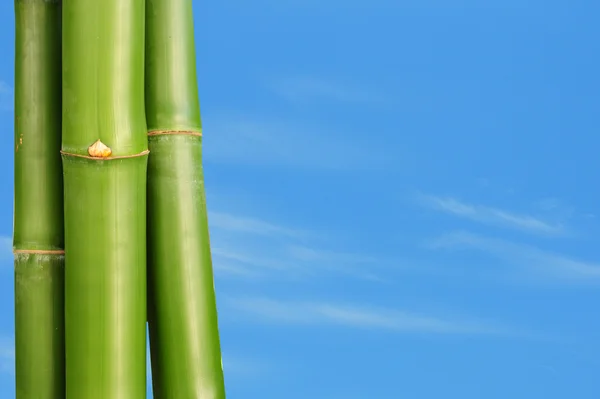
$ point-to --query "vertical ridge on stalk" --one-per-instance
(182, 315)
(38, 202)
(104, 152)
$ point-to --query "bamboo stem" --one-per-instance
(104, 151)
(182, 314)
(38, 208)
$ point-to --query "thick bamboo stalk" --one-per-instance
(104, 150)
(38, 208)
(182, 314)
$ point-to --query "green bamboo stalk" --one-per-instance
(182, 314)
(104, 151)
(38, 208)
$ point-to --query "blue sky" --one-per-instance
(403, 197)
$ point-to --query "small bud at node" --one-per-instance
(99, 150)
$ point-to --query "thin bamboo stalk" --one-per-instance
(38, 208)
(104, 151)
(182, 315)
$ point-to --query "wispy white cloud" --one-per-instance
(557, 209)
(249, 247)
(308, 254)
(250, 261)
(307, 88)
(240, 366)
(233, 260)
(6, 96)
(320, 314)
(234, 139)
(528, 258)
(313, 260)
(548, 204)
(489, 215)
(243, 224)
(7, 355)
(6, 247)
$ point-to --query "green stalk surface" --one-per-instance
(182, 314)
(105, 199)
(38, 203)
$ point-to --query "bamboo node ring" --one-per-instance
(174, 132)
(39, 251)
(109, 158)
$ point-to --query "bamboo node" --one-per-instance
(141, 154)
(39, 251)
(99, 150)
(174, 132)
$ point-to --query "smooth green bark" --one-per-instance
(182, 314)
(171, 83)
(39, 326)
(105, 200)
(38, 206)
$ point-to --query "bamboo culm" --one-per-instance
(182, 315)
(104, 147)
(38, 202)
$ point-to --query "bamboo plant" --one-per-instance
(38, 202)
(104, 152)
(182, 315)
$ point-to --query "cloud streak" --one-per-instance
(249, 247)
(253, 142)
(231, 259)
(245, 367)
(530, 258)
(320, 314)
(307, 88)
(308, 254)
(6, 97)
(489, 215)
(6, 247)
(7, 355)
(243, 224)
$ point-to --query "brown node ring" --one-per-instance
(40, 251)
(100, 151)
(174, 132)
(141, 154)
